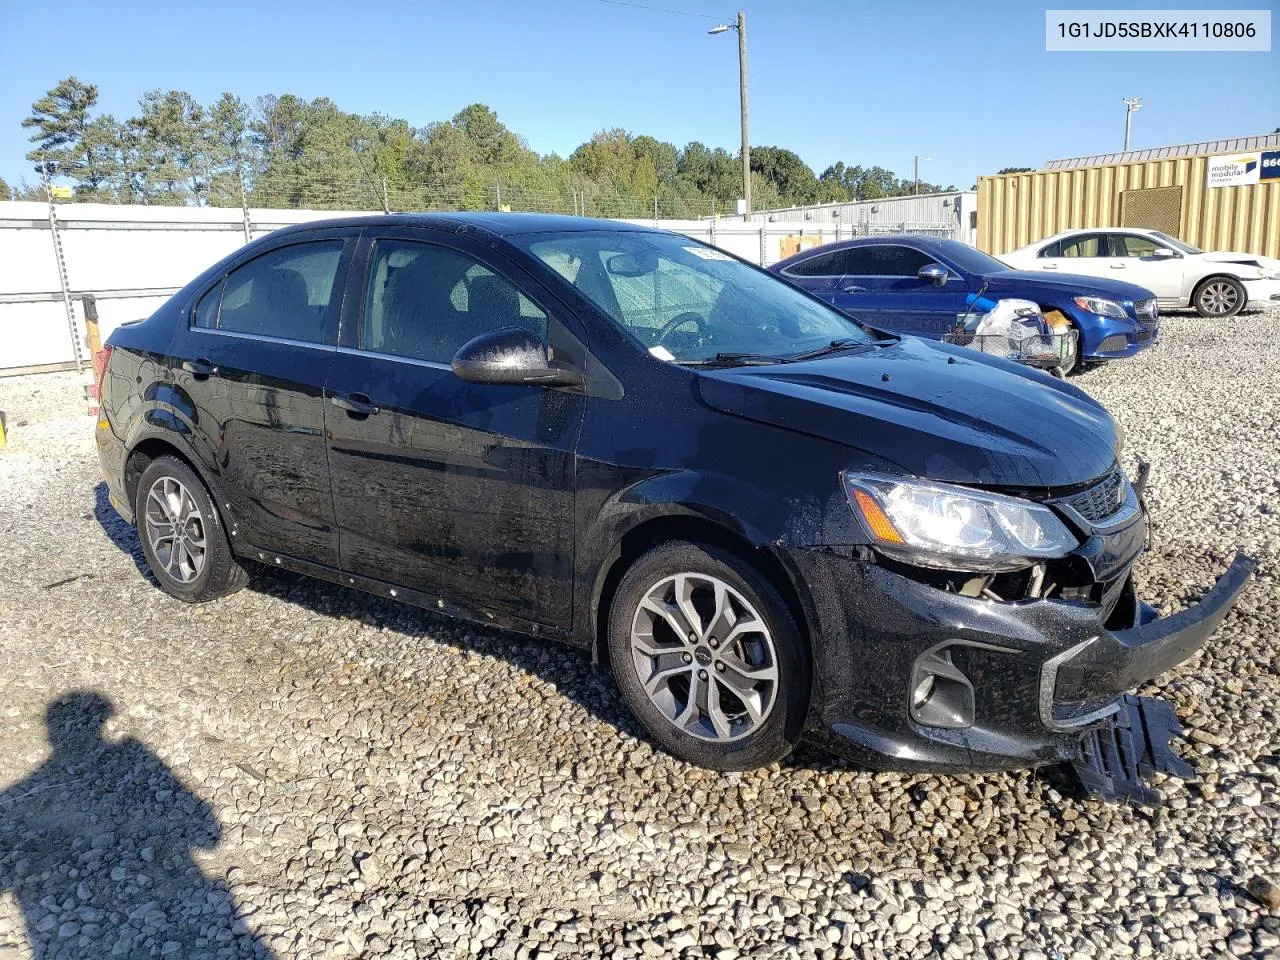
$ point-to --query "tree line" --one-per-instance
(284, 151)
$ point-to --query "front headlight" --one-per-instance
(1265, 274)
(954, 528)
(1102, 307)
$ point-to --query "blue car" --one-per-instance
(919, 285)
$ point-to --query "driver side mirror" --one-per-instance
(1163, 252)
(935, 273)
(511, 356)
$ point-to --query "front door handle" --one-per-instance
(1117, 266)
(852, 288)
(357, 405)
(200, 368)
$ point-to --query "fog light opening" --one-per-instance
(941, 695)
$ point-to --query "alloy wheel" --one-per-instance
(1219, 298)
(175, 529)
(705, 657)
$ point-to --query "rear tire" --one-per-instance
(709, 657)
(182, 535)
(1219, 297)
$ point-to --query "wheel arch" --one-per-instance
(149, 448)
(696, 528)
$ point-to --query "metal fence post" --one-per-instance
(76, 352)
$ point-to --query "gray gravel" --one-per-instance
(303, 771)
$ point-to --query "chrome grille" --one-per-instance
(1147, 310)
(1101, 500)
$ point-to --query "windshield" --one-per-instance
(688, 302)
(1176, 243)
(969, 259)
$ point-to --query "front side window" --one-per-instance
(1132, 245)
(424, 301)
(887, 260)
(284, 293)
(1090, 245)
(687, 302)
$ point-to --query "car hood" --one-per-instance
(1073, 283)
(938, 411)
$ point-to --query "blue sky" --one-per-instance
(870, 83)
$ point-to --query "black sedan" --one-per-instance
(767, 520)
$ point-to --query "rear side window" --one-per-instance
(1052, 250)
(823, 265)
(1090, 245)
(284, 293)
(425, 301)
(206, 311)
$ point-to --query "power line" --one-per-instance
(645, 6)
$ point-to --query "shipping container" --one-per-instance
(1163, 188)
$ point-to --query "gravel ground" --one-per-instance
(301, 770)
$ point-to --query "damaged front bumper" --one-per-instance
(913, 677)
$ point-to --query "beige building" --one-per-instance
(1218, 195)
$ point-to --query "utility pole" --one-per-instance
(741, 27)
(918, 159)
(1131, 104)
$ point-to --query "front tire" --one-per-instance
(1219, 297)
(709, 657)
(182, 535)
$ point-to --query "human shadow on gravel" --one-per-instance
(95, 846)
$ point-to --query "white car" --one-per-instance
(1215, 284)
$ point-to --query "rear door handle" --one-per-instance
(853, 288)
(1117, 266)
(199, 368)
(357, 405)
(1048, 266)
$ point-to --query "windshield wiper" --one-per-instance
(733, 360)
(835, 346)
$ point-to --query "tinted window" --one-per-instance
(1132, 245)
(206, 311)
(888, 260)
(823, 265)
(284, 293)
(1090, 245)
(425, 301)
(1052, 250)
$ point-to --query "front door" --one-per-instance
(883, 286)
(1162, 275)
(253, 359)
(464, 491)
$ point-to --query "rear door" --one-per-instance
(461, 490)
(882, 286)
(1086, 254)
(253, 361)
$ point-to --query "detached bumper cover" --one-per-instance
(1111, 663)
(1044, 674)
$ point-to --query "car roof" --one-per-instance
(1078, 231)
(498, 224)
(919, 239)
